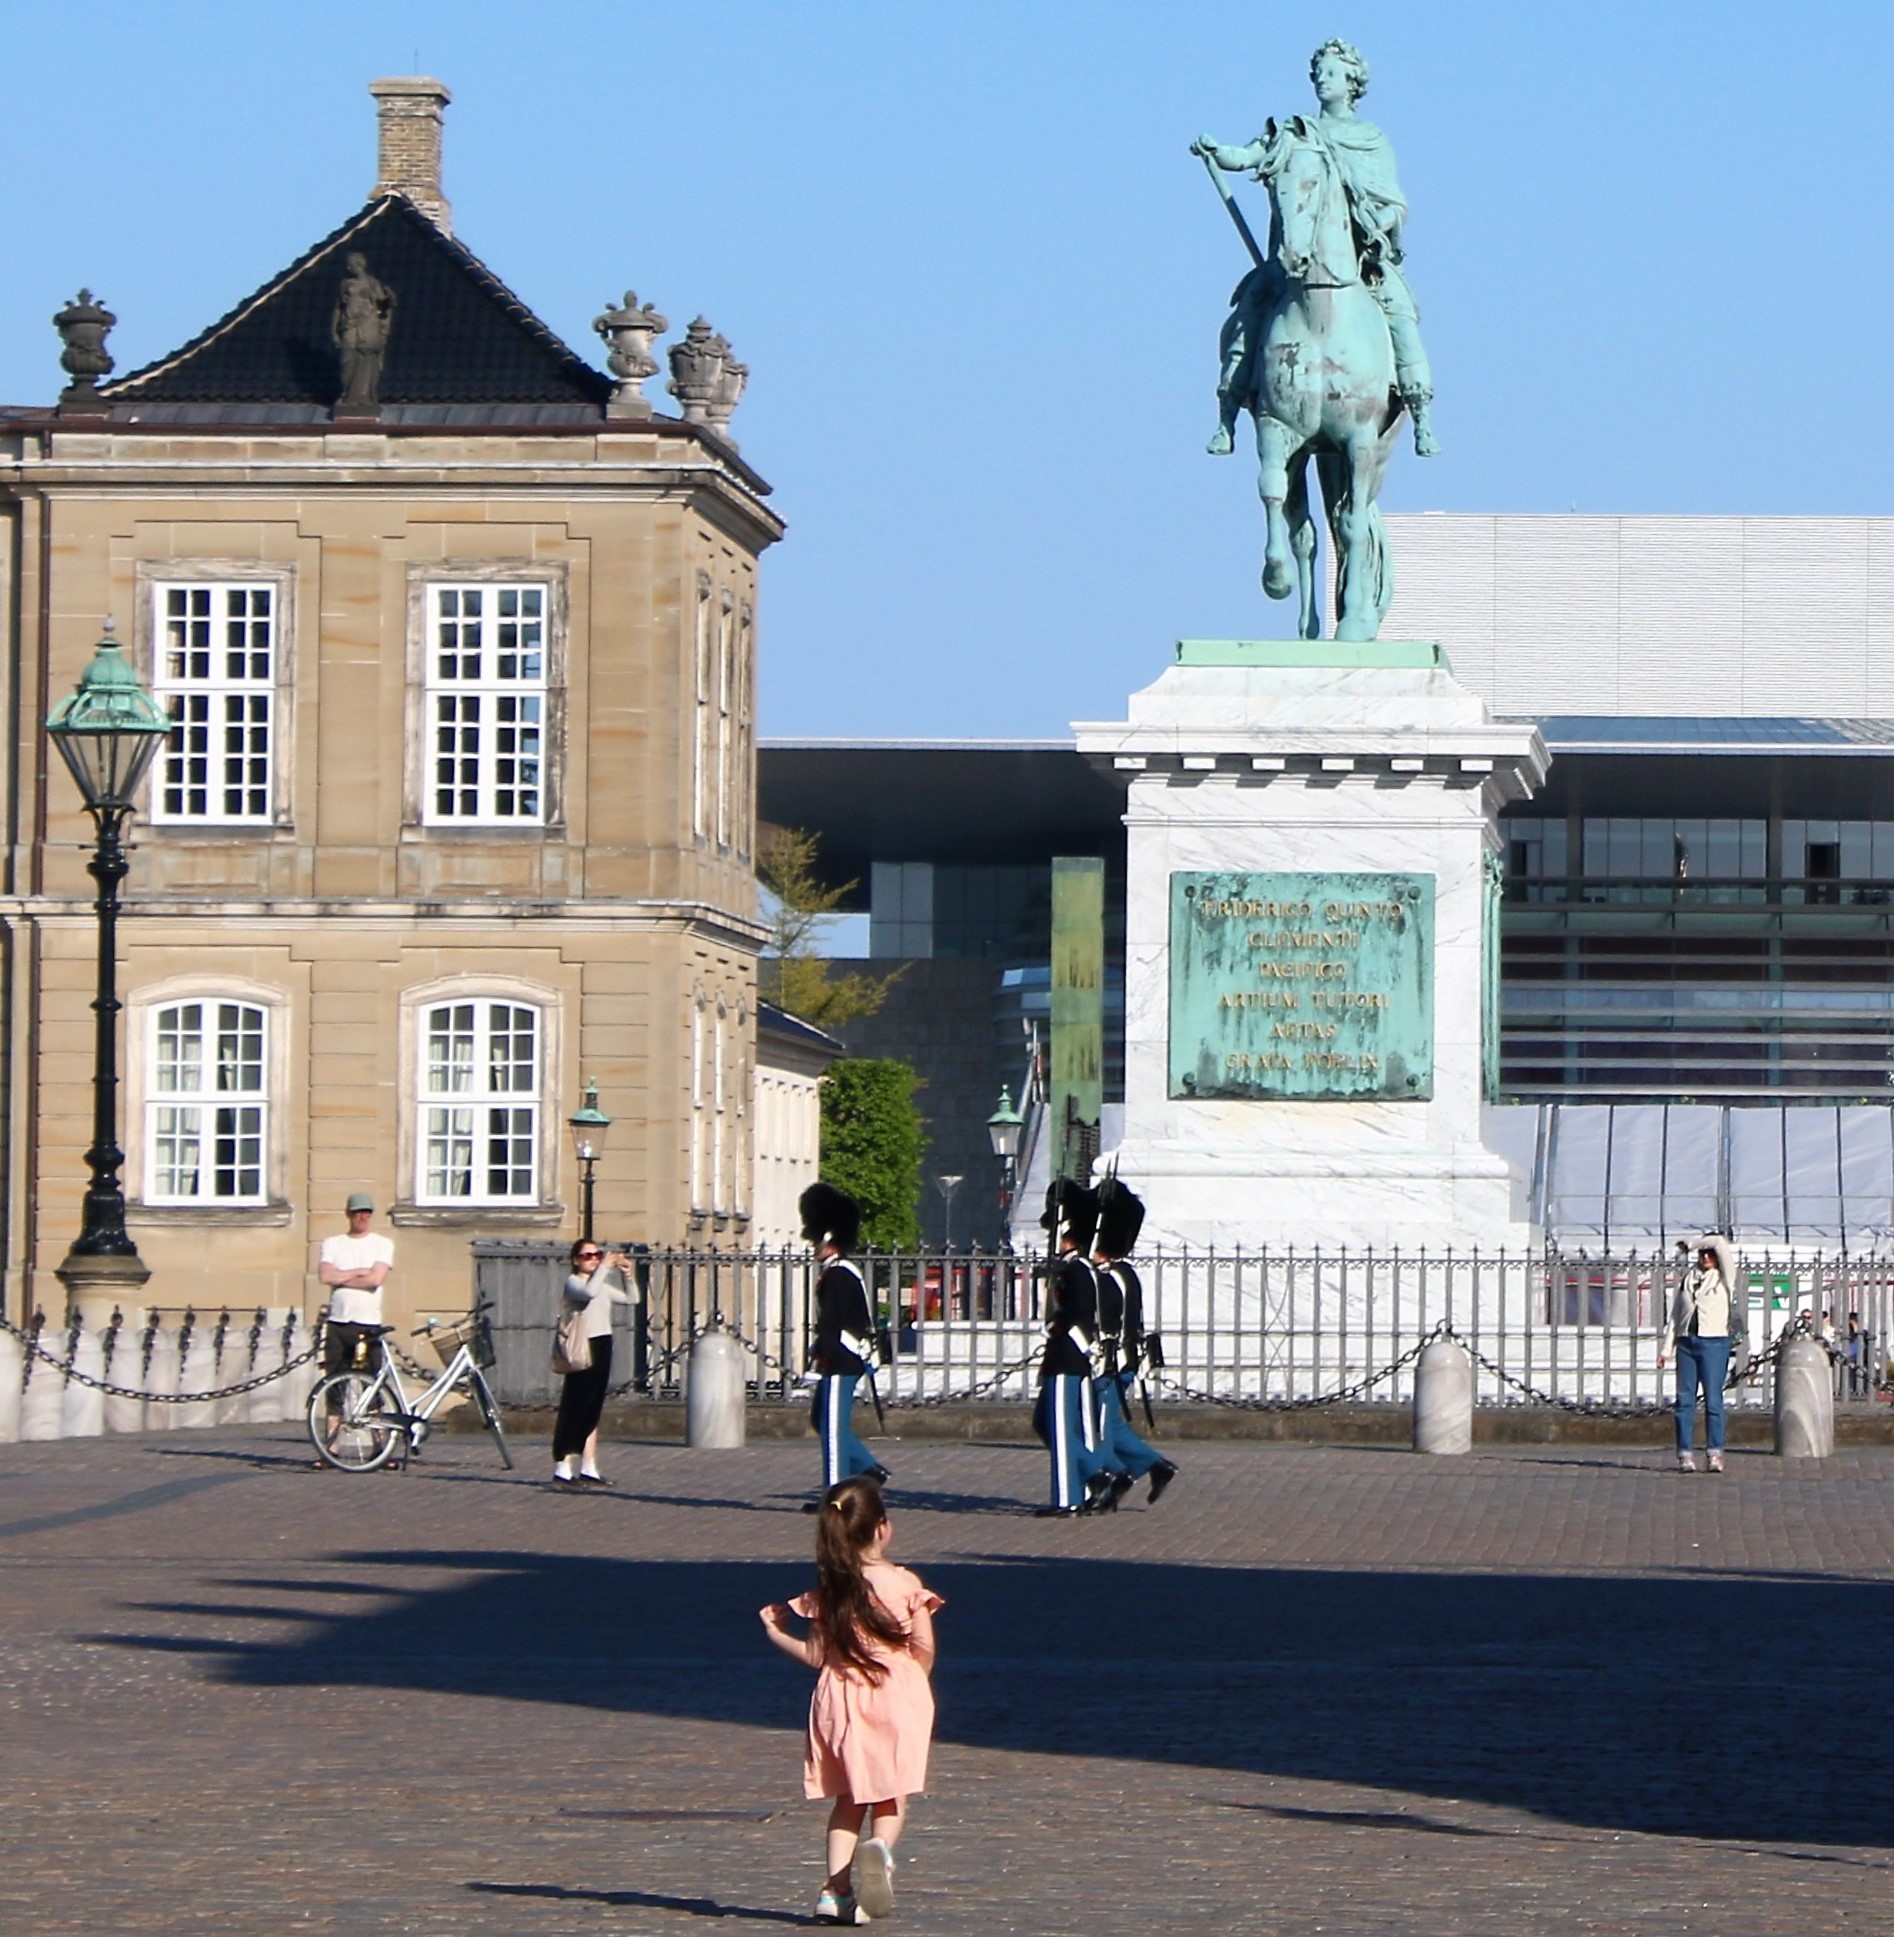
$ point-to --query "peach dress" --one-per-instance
(869, 1740)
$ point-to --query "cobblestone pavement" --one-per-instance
(1315, 1690)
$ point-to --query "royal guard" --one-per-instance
(1122, 1340)
(844, 1334)
(1064, 1417)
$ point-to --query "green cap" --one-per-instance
(359, 1201)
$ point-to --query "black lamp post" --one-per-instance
(1002, 1129)
(588, 1126)
(107, 731)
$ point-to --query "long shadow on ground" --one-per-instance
(1604, 1701)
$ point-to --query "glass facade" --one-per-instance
(1698, 959)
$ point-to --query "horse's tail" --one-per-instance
(1380, 562)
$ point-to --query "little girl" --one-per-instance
(871, 1633)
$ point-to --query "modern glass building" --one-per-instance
(1698, 926)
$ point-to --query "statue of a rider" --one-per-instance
(1364, 158)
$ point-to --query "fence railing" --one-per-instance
(1272, 1327)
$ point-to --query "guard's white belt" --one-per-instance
(852, 1342)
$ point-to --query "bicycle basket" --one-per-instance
(448, 1335)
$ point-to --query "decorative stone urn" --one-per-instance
(83, 325)
(630, 331)
(706, 379)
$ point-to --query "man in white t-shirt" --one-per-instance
(354, 1268)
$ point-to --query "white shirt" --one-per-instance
(349, 1304)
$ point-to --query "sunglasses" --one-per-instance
(591, 1254)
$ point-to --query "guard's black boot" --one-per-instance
(1162, 1474)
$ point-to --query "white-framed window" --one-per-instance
(215, 651)
(726, 638)
(701, 655)
(745, 811)
(207, 1103)
(487, 648)
(479, 1094)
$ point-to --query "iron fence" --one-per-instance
(1269, 1327)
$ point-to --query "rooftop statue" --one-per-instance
(364, 316)
(1322, 345)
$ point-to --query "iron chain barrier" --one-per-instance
(35, 1353)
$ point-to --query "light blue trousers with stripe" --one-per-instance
(843, 1454)
(1121, 1444)
(1064, 1420)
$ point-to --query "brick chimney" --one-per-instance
(409, 108)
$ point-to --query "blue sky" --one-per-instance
(978, 278)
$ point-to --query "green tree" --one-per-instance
(872, 1141)
(792, 974)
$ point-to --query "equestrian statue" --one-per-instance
(1322, 346)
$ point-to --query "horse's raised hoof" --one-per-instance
(1278, 580)
(1220, 445)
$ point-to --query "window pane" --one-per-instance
(487, 681)
(479, 1108)
(215, 659)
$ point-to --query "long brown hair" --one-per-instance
(847, 1614)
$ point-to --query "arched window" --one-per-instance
(479, 1093)
(207, 1102)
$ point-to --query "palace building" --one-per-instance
(458, 634)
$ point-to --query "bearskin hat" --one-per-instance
(1120, 1218)
(1072, 1210)
(830, 1216)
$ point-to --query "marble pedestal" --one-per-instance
(1315, 759)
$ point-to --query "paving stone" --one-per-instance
(1315, 1690)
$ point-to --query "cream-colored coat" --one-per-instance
(1707, 1296)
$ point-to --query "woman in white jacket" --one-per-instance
(1702, 1317)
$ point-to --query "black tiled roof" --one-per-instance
(460, 336)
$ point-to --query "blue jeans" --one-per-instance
(1701, 1362)
(843, 1454)
(1124, 1447)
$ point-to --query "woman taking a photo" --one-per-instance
(591, 1292)
(1701, 1317)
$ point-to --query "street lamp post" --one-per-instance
(1002, 1129)
(947, 1183)
(107, 731)
(588, 1126)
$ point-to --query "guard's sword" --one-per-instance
(1236, 214)
(1150, 1418)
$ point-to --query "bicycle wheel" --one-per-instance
(367, 1424)
(490, 1412)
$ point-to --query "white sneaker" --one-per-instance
(874, 1877)
(831, 1909)
(1686, 1463)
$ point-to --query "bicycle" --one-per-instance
(371, 1415)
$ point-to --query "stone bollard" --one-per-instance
(197, 1371)
(44, 1398)
(161, 1376)
(298, 1385)
(713, 1392)
(235, 1362)
(1443, 1399)
(12, 1372)
(82, 1413)
(264, 1403)
(125, 1366)
(1805, 1401)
